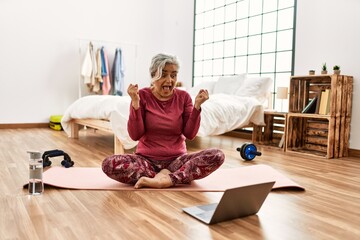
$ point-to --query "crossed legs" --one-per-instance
(137, 170)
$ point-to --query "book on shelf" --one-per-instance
(327, 109)
(318, 102)
(324, 107)
(311, 106)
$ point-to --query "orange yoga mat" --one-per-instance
(218, 181)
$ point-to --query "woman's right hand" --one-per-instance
(133, 91)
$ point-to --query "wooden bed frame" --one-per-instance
(102, 125)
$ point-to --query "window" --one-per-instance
(252, 36)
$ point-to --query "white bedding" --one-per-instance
(220, 114)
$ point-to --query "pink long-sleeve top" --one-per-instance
(162, 126)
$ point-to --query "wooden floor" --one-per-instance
(328, 209)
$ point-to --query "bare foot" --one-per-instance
(161, 180)
(163, 172)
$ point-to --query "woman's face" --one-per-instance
(164, 86)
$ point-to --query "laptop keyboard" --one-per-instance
(206, 215)
(208, 207)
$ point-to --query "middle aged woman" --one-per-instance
(161, 118)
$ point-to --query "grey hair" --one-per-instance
(158, 62)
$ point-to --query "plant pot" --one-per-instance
(324, 72)
(337, 72)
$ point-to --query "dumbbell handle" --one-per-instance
(55, 153)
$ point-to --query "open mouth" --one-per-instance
(167, 88)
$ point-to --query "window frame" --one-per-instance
(280, 77)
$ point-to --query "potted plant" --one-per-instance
(336, 69)
(311, 72)
(324, 69)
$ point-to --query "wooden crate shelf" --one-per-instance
(273, 133)
(325, 135)
(309, 133)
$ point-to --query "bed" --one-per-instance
(235, 102)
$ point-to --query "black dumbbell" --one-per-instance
(248, 151)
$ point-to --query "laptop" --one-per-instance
(234, 203)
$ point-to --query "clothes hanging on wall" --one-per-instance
(87, 66)
(94, 70)
(98, 76)
(117, 73)
(89, 70)
(105, 73)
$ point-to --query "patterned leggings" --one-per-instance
(128, 168)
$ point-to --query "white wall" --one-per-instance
(40, 42)
(329, 31)
(178, 18)
(39, 46)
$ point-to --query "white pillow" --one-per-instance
(257, 87)
(229, 85)
(208, 85)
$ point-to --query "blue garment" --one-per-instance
(103, 63)
(117, 72)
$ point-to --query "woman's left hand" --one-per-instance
(200, 98)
